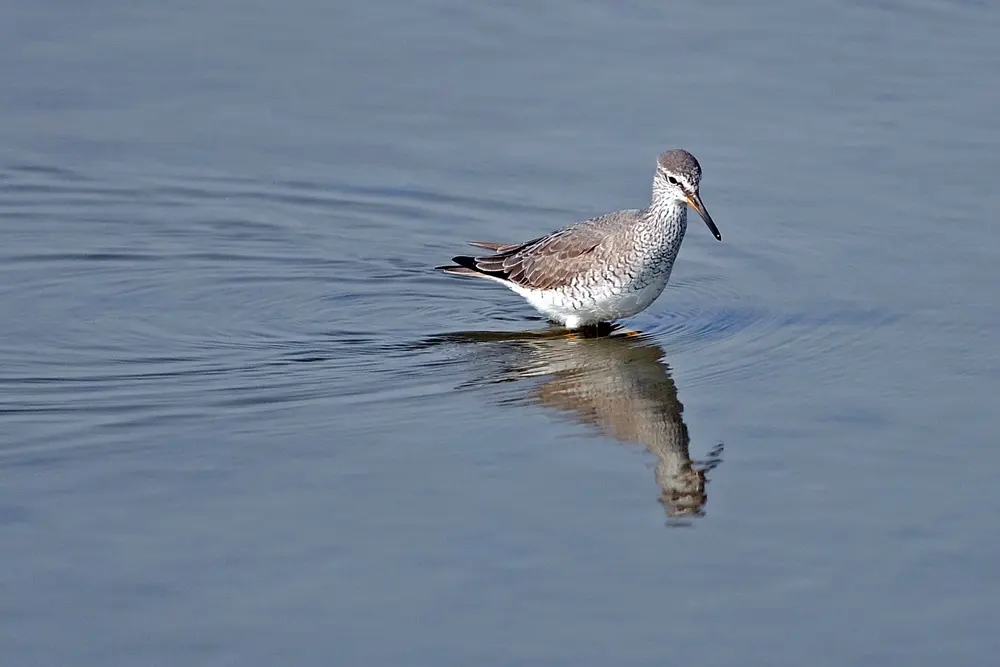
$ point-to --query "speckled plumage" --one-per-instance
(604, 268)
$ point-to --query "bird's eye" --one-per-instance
(672, 180)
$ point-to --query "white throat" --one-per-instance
(666, 221)
(668, 209)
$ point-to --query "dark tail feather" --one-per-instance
(466, 262)
(466, 266)
(472, 266)
(459, 271)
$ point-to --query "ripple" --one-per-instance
(726, 341)
(189, 298)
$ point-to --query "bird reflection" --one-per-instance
(618, 384)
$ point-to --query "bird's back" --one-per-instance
(567, 255)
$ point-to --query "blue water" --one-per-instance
(243, 422)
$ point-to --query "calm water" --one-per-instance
(242, 422)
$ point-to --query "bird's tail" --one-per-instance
(464, 266)
(458, 271)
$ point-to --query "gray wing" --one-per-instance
(555, 260)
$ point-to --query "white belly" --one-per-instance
(575, 308)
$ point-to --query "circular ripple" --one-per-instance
(722, 341)
(183, 299)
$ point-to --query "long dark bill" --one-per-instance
(696, 203)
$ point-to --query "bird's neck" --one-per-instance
(667, 212)
(662, 228)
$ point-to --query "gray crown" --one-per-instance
(679, 161)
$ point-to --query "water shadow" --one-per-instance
(618, 384)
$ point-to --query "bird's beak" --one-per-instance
(694, 200)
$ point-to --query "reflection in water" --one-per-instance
(618, 384)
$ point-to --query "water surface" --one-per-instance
(244, 422)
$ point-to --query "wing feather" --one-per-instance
(556, 260)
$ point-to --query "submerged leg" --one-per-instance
(605, 328)
(598, 330)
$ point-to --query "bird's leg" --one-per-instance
(604, 328)
(598, 330)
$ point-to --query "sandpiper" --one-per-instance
(603, 269)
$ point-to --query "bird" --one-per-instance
(597, 271)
